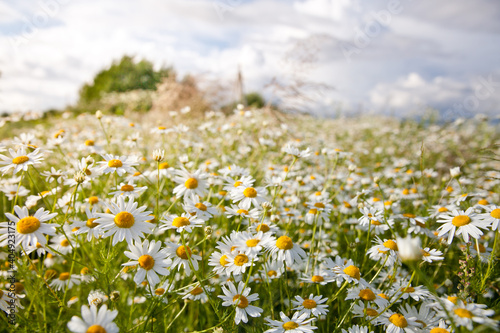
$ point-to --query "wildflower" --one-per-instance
(190, 183)
(248, 195)
(252, 244)
(284, 249)
(151, 260)
(181, 255)
(65, 280)
(128, 190)
(241, 298)
(398, 323)
(460, 222)
(118, 164)
(97, 298)
(126, 221)
(296, 152)
(492, 216)
(197, 294)
(20, 160)
(30, 230)
(94, 321)
(299, 323)
(312, 306)
(467, 314)
(180, 223)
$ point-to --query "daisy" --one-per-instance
(424, 315)
(11, 191)
(357, 329)
(466, 314)
(179, 223)
(345, 270)
(237, 263)
(296, 324)
(126, 221)
(492, 216)
(371, 214)
(417, 293)
(197, 294)
(30, 230)
(360, 309)
(151, 260)
(429, 255)
(252, 244)
(398, 323)
(240, 298)
(20, 160)
(9, 301)
(322, 277)
(296, 152)
(54, 175)
(202, 209)
(285, 250)
(118, 164)
(219, 261)
(367, 295)
(65, 280)
(312, 305)
(243, 213)
(128, 190)
(94, 321)
(246, 196)
(190, 183)
(97, 298)
(460, 222)
(89, 226)
(180, 256)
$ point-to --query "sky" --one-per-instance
(396, 57)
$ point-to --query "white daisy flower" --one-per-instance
(243, 213)
(219, 261)
(429, 255)
(241, 299)
(237, 263)
(284, 249)
(97, 298)
(30, 230)
(20, 160)
(65, 280)
(467, 314)
(190, 183)
(128, 190)
(118, 164)
(398, 323)
(252, 244)
(366, 294)
(197, 294)
(294, 151)
(296, 324)
(246, 196)
(492, 216)
(11, 191)
(180, 255)
(10, 301)
(179, 223)
(357, 329)
(94, 321)
(203, 209)
(151, 260)
(312, 306)
(460, 222)
(89, 226)
(126, 221)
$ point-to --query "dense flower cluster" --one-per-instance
(293, 226)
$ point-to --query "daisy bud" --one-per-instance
(455, 172)
(79, 177)
(351, 168)
(267, 205)
(393, 198)
(409, 249)
(114, 296)
(361, 205)
(89, 160)
(376, 179)
(208, 231)
(98, 114)
(158, 155)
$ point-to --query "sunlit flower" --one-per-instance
(241, 298)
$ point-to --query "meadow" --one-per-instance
(256, 221)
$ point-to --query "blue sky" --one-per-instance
(393, 56)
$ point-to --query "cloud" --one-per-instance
(54, 46)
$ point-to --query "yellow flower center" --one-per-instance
(439, 330)
(367, 295)
(317, 278)
(191, 183)
(124, 220)
(290, 325)
(160, 291)
(250, 192)
(390, 244)
(223, 260)
(161, 128)
(442, 209)
(127, 188)
(182, 253)
(146, 261)
(384, 296)
(96, 329)
(240, 259)
(93, 200)
(89, 142)
(272, 273)
(115, 163)
(374, 222)
(84, 271)
(398, 320)
(463, 313)
(241, 300)
(406, 191)
(252, 242)
(319, 205)
(164, 165)
(237, 183)
(353, 272)
(371, 312)
(495, 213)
(64, 243)
(408, 215)
(196, 291)
(242, 211)
(263, 227)
(309, 304)
(28, 225)
(49, 274)
(201, 206)
(460, 220)
(20, 159)
(408, 289)
(425, 253)
(64, 276)
(483, 202)
(90, 223)
(180, 221)
(313, 211)
(284, 243)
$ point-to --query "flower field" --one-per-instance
(251, 222)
